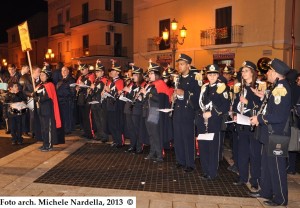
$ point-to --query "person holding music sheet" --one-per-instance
(273, 119)
(48, 110)
(25, 79)
(84, 81)
(157, 98)
(186, 95)
(249, 147)
(213, 102)
(115, 107)
(96, 94)
(14, 96)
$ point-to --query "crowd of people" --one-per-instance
(185, 109)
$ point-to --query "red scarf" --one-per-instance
(50, 88)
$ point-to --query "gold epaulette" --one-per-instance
(236, 88)
(280, 90)
(262, 86)
(220, 88)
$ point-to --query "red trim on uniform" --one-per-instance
(161, 86)
(50, 88)
(119, 84)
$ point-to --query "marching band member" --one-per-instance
(48, 110)
(157, 98)
(115, 107)
(83, 82)
(99, 109)
(214, 102)
(136, 144)
(249, 148)
(186, 94)
(274, 116)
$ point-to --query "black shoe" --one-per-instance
(19, 142)
(158, 160)
(26, 134)
(206, 177)
(239, 183)
(149, 157)
(14, 143)
(118, 146)
(188, 169)
(131, 149)
(178, 165)
(254, 187)
(271, 203)
(139, 152)
(7, 132)
(46, 149)
(291, 172)
(254, 194)
(233, 169)
(113, 144)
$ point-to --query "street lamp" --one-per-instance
(49, 54)
(4, 62)
(174, 38)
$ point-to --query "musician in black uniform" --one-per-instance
(136, 144)
(115, 107)
(249, 148)
(85, 81)
(214, 102)
(66, 95)
(273, 119)
(15, 115)
(185, 108)
(157, 98)
(48, 110)
(98, 109)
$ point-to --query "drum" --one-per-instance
(18, 108)
(30, 104)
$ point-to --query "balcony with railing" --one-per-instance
(220, 36)
(57, 29)
(96, 14)
(94, 50)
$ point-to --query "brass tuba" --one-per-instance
(263, 65)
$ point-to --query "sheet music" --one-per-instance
(93, 102)
(106, 94)
(242, 119)
(125, 99)
(207, 136)
(166, 110)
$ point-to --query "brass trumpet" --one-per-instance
(263, 65)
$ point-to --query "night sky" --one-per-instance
(14, 12)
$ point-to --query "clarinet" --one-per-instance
(265, 101)
(176, 82)
(242, 94)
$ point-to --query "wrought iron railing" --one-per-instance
(94, 50)
(57, 29)
(225, 35)
(96, 14)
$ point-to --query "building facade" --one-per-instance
(220, 31)
(85, 31)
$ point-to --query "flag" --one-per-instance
(24, 36)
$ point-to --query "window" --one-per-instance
(108, 5)
(68, 15)
(107, 38)
(85, 13)
(85, 42)
(164, 24)
(223, 25)
(13, 38)
(118, 11)
(59, 19)
(59, 47)
(68, 45)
